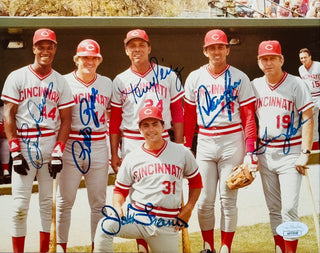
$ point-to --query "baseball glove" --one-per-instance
(240, 177)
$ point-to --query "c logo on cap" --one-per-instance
(90, 47)
(268, 47)
(215, 37)
(45, 34)
(147, 111)
(135, 33)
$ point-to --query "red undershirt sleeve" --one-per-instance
(195, 182)
(249, 125)
(115, 120)
(190, 121)
(123, 192)
(176, 109)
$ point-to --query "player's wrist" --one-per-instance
(14, 145)
(15, 154)
(250, 145)
(250, 158)
(305, 151)
(58, 149)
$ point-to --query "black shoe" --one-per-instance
(207, 251)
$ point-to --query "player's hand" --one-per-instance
(19, 164)
(115, 163)
(55, 163)
(252, 161)
(119, 211)
(301, 163)
(55, 166)
(184, 214)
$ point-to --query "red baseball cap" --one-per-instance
(215, 36)
(136, 34)
(150, 112)
(269, 47)
(88, 48)
(44, 34)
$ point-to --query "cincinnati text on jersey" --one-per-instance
(312, 76)
(100, 99)
(157, 168)
(275, 102)
(215, 89)
(39, 92)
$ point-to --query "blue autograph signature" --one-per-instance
(159, 74)
(142, 217)
(87, 112)
(85, 150)
(212, 103)
(291, 131)
(165, 72)
(37, 116)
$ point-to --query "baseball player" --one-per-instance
(86, 153)
(284, 111)
(4, 149)
(37, 114)
(310, 73)
(219, 98)
(154, 172)
(144, 83)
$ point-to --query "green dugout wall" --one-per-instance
(176, 42)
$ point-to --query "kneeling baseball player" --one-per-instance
(154, 173)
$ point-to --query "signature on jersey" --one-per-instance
(87, 114)
(212, 103)
(37, 115)
(291, 131)
(113, 221)
(159, 74)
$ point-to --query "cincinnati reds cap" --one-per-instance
(215, 36)
(88, 47)
(44, 34)
(150, 112)
(269, 47)
(136, 34)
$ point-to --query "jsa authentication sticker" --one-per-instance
(292, 229)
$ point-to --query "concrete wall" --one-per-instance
(175, 42)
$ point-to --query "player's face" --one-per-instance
(138, 50)
(44, 52)
(305, 59)
(271, 64)
(88, 64)
(217, 54)
(151, 129)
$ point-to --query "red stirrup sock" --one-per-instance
(278, 241)
(290, 246)
(208, 239)
(142, 246)
(226, 239)
(18, 244)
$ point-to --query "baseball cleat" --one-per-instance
(207, 251)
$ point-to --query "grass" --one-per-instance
(247, 239)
